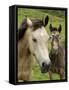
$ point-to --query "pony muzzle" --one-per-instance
(55, 51)
(45, 67)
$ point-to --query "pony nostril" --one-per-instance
(46, 66)
(43, 64)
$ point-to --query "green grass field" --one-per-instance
(55, 18)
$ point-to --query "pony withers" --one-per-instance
(57, 53)
(32, 44)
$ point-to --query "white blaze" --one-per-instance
(41, 46)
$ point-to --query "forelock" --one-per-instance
(37, 24)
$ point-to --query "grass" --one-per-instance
(55, 18)
(37, 75)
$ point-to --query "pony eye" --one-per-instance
(34, 40)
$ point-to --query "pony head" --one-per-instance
(37, 41)
(55, 37)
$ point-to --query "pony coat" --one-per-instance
(57, 60)
(24, 59)
(58, 63)
(25, 54)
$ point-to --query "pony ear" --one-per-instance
(60, 28)
(29, 22)
(50, 27)
(46, 20)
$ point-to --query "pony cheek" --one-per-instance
(31, 47)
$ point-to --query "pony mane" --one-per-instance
(36, 24)
(22, 29)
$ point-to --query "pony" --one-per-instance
(32, 44)
(57, 53)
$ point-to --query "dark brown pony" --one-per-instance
(57, 53)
